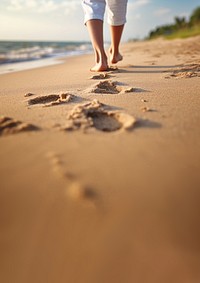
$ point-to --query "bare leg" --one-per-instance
(95, 28)
(116, 34)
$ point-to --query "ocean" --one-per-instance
(21, 55)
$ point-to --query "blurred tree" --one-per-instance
(180, 22)
(195, 17)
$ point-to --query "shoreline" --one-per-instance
(28, 65)
(18, 55)
(7, 68)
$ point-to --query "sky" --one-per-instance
(62, 20)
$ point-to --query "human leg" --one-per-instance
(116, 19)
(95, 28)
(116, 33)
(94, 15)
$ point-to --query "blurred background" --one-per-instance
(48, 29)
(62, 20)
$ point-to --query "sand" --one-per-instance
(99, 174)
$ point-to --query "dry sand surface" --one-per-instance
(100, 173)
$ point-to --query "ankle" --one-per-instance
(114, 50)
(102, 59)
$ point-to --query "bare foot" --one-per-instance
(99, 67)
(115, 57)
(101, 64)
(101, 61)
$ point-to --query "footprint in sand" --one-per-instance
(9, 126)
(74, 189)
(77, 191)
(185, 71)
(58, 166)
(110, 87)
(94, 114)
(102, 76)
(107, 87)
(51, 99)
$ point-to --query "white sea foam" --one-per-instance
(15, 56)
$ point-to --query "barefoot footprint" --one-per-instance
(94, 114)
(74, 189)
(185, 71)
(107, 87)
(51, 99)
(102, 76)
(10, 126)
(111, 87)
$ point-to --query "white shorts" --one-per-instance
(95, 9)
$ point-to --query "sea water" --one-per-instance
(22, 55)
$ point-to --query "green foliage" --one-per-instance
(180, 28)
(195, 17)
(184, 33)
(180, 23)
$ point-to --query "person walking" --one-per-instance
(94, 11)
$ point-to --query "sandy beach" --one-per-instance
(100, 172)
